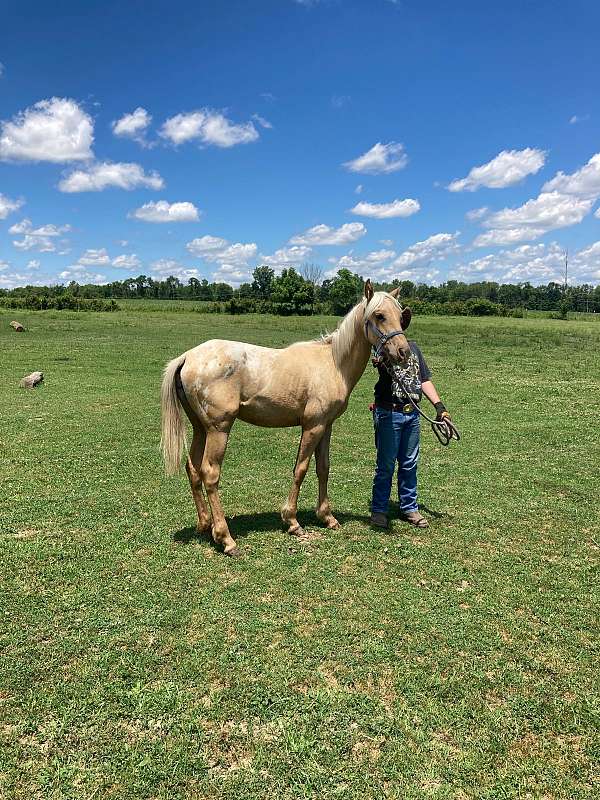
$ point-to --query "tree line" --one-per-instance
(303, 292)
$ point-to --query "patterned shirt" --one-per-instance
(388, 389)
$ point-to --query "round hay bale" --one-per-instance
(17, 326)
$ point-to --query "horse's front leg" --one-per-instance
(322, 459)
(310, 439)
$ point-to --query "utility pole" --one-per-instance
(566, 268)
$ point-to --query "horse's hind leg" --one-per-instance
(214, 452)
(193, 467)
(322, 459)
(308, 442)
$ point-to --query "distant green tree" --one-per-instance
(344, 291)
(245, 290)
(205, 291)
(292, 294)
(263, 282)
(222, 291)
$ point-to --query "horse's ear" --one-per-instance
(406, 317)
(368, 289)
(395, 292)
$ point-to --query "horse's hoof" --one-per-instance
(297, 530)
(333, 525)
(235, 552)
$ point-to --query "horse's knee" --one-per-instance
(195, 481)
(210, 477)
(300, 472)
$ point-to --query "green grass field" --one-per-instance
(456, 662)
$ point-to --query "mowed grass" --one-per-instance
(459, 661)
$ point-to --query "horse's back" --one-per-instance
(261, 385)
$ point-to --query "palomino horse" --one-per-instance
(306, 384)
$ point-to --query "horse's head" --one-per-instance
(385, 322)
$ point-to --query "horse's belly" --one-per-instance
(268, 414)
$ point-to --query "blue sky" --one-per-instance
(421, 140)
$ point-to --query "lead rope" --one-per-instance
(445, 430)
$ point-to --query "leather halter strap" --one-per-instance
(382, 338)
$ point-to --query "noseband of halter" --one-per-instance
(382, 338)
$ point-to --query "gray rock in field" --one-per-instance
(31, 381)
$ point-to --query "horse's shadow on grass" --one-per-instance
(242, 525)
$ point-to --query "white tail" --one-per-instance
(173, 438)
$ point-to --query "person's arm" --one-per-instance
(432, 395)
(430, 392)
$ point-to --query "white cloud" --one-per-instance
(235, 254)
(56, 130)
(214, 249)
(584, 265)
(231, 274)
(371, 261)
(323, 234)
(40, 239)
(575, 119)
(262, 121)
(33, 264)
(547, 212)
(538, 263)
(380, 159)
(94, 258)
(358, 189)
(40, 243)
(133, 126)
(340, 100)
(25, 226)
(7, 206)
(81, 275)
(477, 213)
(162, 211)
(107, 174)
(1, 69)
(206, 244)
(434, 248)
(507, 168)
(208, 127)
(9, 280)
(397, 208)
(165, 267)
(597, 213)
(509, 236)
(583, 183)
(124, 261)
(287, 255)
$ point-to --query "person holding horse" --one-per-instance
(398, 392)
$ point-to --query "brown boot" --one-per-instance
(379, 520)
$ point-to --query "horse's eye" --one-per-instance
(379, 317)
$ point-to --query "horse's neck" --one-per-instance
(355, 360)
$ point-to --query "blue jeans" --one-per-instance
(397, 440)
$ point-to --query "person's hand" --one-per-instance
(444, 417)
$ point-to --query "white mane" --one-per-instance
(343, 337)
